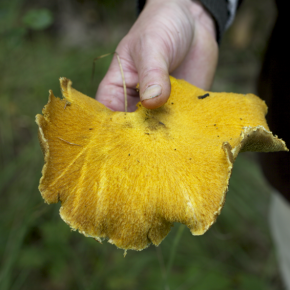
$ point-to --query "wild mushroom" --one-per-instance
(129, 176)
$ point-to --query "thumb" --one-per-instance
(153, 72)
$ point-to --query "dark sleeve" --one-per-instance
(219, 11)
(217, 8)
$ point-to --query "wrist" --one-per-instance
(201, 14)
(197, 11)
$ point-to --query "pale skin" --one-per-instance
(176, 37)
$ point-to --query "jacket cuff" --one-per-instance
(219, 11)
(140, 5)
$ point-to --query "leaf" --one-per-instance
(38, 19)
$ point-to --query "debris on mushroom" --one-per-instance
(127, 177)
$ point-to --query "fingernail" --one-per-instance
(151, 92)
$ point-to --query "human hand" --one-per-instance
(174, 37)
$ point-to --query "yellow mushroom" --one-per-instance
(128, 177)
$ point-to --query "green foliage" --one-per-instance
(38, 19)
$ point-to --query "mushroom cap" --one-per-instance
(128, 177)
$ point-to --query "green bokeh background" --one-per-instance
(44, 40)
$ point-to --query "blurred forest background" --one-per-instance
(42, 40)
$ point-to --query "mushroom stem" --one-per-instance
(124, 83)
(122, 74)
(94, 60)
